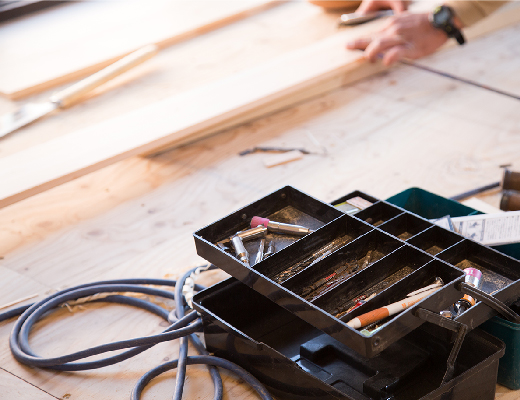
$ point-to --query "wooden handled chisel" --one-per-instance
(357, 18)
(32, 111)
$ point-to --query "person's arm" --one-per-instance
(469, 11)
(472, 11)
(413, 36)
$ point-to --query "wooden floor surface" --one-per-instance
(402, 128)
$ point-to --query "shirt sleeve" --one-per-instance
(472, 11)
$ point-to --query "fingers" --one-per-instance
(374, 5)
(367, 6)
(395, 54)
(391, 48)
(405, 36)
(381, 45)
(399, 6)
(359, 44)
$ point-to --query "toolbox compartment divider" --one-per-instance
(344, 228)
(354, 253)
(435, 240)
(379, 213)
(417, 279)
(404, 259)
(405, 226)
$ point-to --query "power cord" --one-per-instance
(182, 326)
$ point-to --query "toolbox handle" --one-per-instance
(490, 301)
(455, 326)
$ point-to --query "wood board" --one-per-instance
(480, 56)
(187, 117)
(77, 39)
(13, 387)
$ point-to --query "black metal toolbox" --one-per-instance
(405, 252)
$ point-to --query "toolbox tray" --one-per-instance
(297, 361)
(500, 270)
(401, 264)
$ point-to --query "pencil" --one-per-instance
(383, 312)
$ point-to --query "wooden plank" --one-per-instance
(16, 286)
(505, 19)
(151, 127)
(46, 45)
(248, 95)
(13, 387)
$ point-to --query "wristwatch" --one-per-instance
(442, 18)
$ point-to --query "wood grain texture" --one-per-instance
(370, 123)
(47, 44)
(12, 387)
(497, 53)
(279, 83)
(177, 69)
(53, 163)
(17, 286)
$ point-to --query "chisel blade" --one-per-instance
(24, 115)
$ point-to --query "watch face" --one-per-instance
(443, 16)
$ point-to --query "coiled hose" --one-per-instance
(182, 326)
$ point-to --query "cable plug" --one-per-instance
(188, 290)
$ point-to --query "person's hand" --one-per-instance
(404, 36)
(367, 6)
